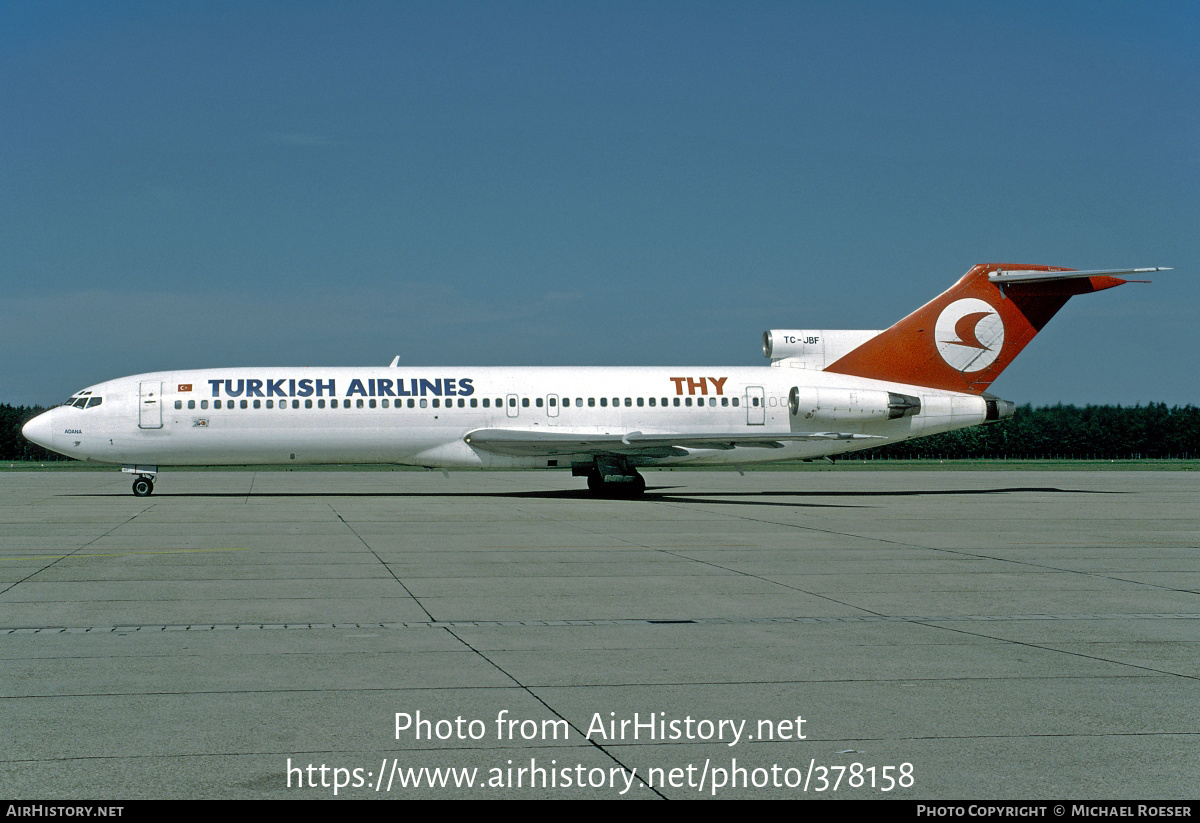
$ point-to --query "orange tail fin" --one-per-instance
(965, 337)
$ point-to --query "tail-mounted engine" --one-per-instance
(851, 405)
(998, 409)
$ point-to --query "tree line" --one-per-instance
(1071, 432)
(1067, 432)
(12, 445)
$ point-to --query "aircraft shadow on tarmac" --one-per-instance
(653, 494)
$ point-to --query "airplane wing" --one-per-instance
(527, 442)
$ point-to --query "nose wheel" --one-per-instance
(143, 486)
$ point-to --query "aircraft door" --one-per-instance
(552, 409)
(756, 407)
(150, 405)
(510, 406)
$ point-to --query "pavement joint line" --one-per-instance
(31, 575)
(382, 562)
(940, 624)
(552, 710)
(958, 552)
(665, 551)
(623, 621)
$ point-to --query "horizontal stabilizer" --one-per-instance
(1028, 276)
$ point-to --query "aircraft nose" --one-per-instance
(40, 430)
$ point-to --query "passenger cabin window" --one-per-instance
(487, 402)
(204, 404)
(179, 404)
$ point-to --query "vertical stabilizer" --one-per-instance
(965, 337)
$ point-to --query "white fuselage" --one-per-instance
(424, 416)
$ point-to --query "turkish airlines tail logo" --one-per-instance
(969, 334)
(963, 338)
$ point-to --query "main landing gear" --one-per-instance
(611, 476)
(143, 484)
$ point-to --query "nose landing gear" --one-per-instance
(143, 484)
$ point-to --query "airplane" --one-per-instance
(825, 393)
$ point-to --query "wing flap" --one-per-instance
(529, 443)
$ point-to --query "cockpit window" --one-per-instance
(83, 400)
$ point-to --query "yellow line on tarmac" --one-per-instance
(85, 553)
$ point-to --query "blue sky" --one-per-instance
(257, 183)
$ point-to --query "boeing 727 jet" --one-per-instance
(825, 393)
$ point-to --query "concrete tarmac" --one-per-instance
(946, 635)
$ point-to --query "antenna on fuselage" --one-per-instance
(395, 362)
